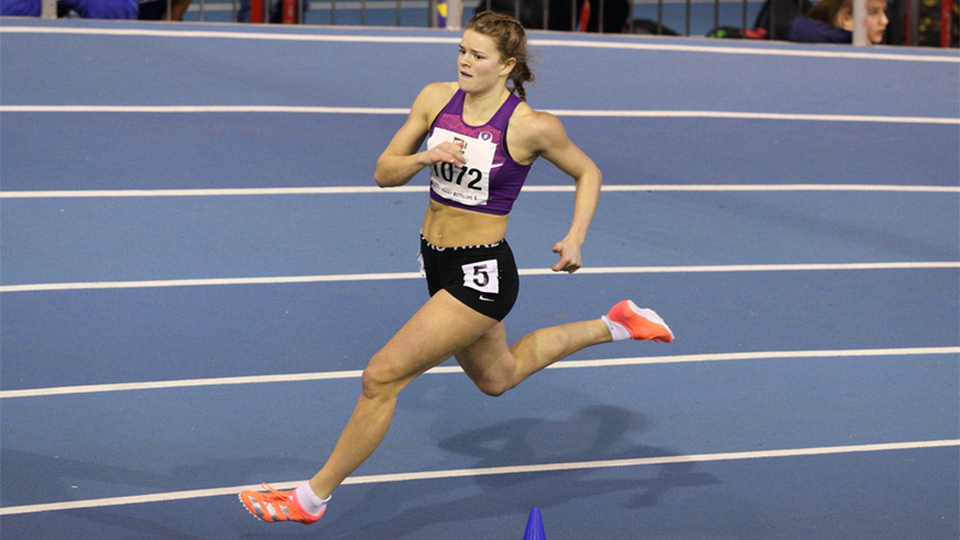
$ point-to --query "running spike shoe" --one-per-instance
(640, 323)
(275, 506)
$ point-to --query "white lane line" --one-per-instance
(180, 109)
(225, 192)
(204, 282)
(453, 39)
(461, 473)
(276, 109)
(364, 190)
(760, 116)
(565, 364)
(334, 278)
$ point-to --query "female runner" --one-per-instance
(481, 138)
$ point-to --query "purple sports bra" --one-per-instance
(491, 180)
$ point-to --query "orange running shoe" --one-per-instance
(277, 506)
(637, 323)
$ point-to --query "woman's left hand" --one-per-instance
(569, 252)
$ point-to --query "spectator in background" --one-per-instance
(831, 21)
(87, 9)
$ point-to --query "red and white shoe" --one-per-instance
(626, 321)
(275, 506)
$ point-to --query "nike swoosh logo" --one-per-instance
(487, 299)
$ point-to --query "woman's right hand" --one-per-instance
(445, 152)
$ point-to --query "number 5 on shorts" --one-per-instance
(483, 276)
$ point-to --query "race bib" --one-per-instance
(468, 185)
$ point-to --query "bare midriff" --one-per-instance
(447, 226)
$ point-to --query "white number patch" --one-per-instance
(483, 276)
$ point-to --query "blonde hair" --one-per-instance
(511, 41)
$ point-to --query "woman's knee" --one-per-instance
(494, 386)
(493, 378)
(380, 379)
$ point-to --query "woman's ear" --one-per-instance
(508, 66)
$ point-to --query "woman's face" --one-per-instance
(479, 63)
(875, 21)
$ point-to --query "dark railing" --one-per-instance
(912, 22)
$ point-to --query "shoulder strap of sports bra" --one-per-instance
(502, 117)
(454, 106)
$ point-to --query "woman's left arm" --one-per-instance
(554, 145)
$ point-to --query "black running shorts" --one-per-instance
(484, 278)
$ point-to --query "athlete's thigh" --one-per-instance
(437, 331)
(487, 354)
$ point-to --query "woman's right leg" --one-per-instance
(441, 328)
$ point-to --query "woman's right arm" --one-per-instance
(400, 162)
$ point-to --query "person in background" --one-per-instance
(831, 21)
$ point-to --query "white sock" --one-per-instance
(309, 500)
(618, 331)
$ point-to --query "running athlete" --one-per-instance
(481, 139)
